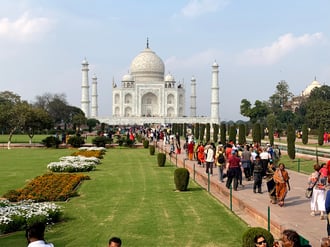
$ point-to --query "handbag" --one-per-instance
(309, 190)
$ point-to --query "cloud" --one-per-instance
(25, 28)
(206, 57)
(199, 7)
(280, 48)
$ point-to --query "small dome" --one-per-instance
(215, 64)
(147, 66)
(127, 77)
(84, 62)
(169, 78)
(310, 88)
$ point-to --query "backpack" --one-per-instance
(221, 158)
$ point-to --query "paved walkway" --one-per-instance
(255, 208)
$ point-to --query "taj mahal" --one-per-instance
(146, 95)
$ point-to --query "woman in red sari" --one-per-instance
(281, 179)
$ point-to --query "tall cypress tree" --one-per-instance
(215, 132)
(232, 133)
(256, 134)
(320, 134)
(291, 139)
(197, 131)
(223, 133)
(304, 134)
(241, 134)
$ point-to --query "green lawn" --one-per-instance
(128, 196)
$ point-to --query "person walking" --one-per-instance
(209, 152)
(257, 175)
(317, 181)
(246, 162)
(220, 161)
(233, 169)
(281, 179)
(270, 182)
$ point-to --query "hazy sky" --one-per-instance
(256, 43)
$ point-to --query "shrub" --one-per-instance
(181, 179)
(145, 143)
(161, 159)
(152, 149)
(51, 141)
(76, 141)
(129, 142)
(249, 235)
(100, 141)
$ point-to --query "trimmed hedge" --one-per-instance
(161, 159)
(181, 179)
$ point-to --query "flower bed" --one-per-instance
(16, 216)
(49, 187)
(74, 164)
(97, 152)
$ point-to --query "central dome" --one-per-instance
(147, 66)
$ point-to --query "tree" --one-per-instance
(245, 108)
(92, 123)
(208, 132)
(304, 134)
(256, 133)
(256, 113)
(215, 132)
(58, 108)
(291, 140)
(78, 120)
(271, 127)
(232, 133)
(201, 132)
(281, 97)
(197, 130)
(223, 133)
(320, 133)
(36, 119)
(318, 107)
(241, 134)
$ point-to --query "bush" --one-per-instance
(100, 141)
(145, 143)
(51, 141)
(181, 179)
(249, 235)
(152, 149)
(76, 141)
(161, 159)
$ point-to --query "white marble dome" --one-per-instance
(147, 66)
(309, 89)
(169, 78)
(127, 77)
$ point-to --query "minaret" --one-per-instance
(94, 110)
(215, 94)
(85, 88)
(193, 97)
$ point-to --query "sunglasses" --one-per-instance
(262, 242)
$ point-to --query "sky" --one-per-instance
(256, 44)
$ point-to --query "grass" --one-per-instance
(128, 196)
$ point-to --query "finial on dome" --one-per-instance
(147, 42)
(314, 78)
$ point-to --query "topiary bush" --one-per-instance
(145, 143)
(51, 141)
(252, 232)
(181, 179)
(100, 141)
(152, 149)
(161, 159)
(76, 141)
